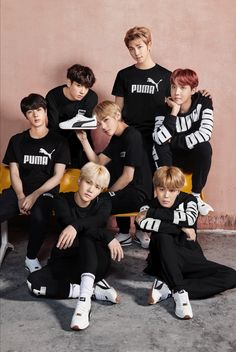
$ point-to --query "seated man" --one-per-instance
(70, 106)
(128, 164)
(37, 159)
(84, 249)
(182, 132)
(175, 257)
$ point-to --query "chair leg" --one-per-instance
(4, 241)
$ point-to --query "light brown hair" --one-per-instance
(170, 177)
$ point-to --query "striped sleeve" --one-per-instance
(164, 128)
(203, 134)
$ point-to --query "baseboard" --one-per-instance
(217, 221)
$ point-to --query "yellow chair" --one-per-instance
(69, 182)
(5, 182)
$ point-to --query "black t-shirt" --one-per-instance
(60, 109)
(36, 158)
(127, 150)
(144, 92)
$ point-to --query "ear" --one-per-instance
(149, 45)
(68, 83)
(118, 116)
(194, 90)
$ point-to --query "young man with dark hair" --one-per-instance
(37, 159)
(70, 107)
(183, 131)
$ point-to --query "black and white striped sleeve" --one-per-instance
(185, 214)
(164, 129)
(203, 134)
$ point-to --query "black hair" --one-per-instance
(82, 75)
(32, 102)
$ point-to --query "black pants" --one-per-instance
(196, 161)
(39, 218)
(66, 266)
(182, 265)
(127, 200)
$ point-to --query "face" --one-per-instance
(139, 50)
(88, 190)
(109, 125)
(181, 94)
(166, 196)
(37, 117)
(76, 91)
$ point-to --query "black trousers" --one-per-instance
(127, 200)
(182, 265)
(196, 161)
(65, 267)
(39, 218)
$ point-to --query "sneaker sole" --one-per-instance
(77, 328)
(144, 246)
(79, 128)
(150, 299)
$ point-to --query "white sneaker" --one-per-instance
(104, 292)
(79, 122)
(183, 307)
(158, 292)
(81, 316)
(125, 239)
(142, 238)
(32, 264)
(203, 207)
(41, 292)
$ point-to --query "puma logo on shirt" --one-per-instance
(43, 151)
(146, 88)
(38, 159)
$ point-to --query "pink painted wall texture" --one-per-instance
(41, 39)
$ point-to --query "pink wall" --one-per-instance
(40, 39)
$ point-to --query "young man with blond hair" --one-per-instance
(82, 256)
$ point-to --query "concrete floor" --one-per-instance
(35, 324)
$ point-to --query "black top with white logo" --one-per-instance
(36, 157)
(144, 92)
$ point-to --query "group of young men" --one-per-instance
(158, 123)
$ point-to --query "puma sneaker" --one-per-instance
(79, 122)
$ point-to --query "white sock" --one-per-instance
(74, 291)
(197, 195)
(86, 291)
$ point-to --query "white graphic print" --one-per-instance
(38, 159)
(155, 84)
(146, 88)
(43, 151)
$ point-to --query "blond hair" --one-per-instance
(170, 177)
(96, 173)
(106, 108)
(142, 33)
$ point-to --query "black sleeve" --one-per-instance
(118, 88)
(52, 112)
(62, 210)
(10, 156)
(91, 103)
